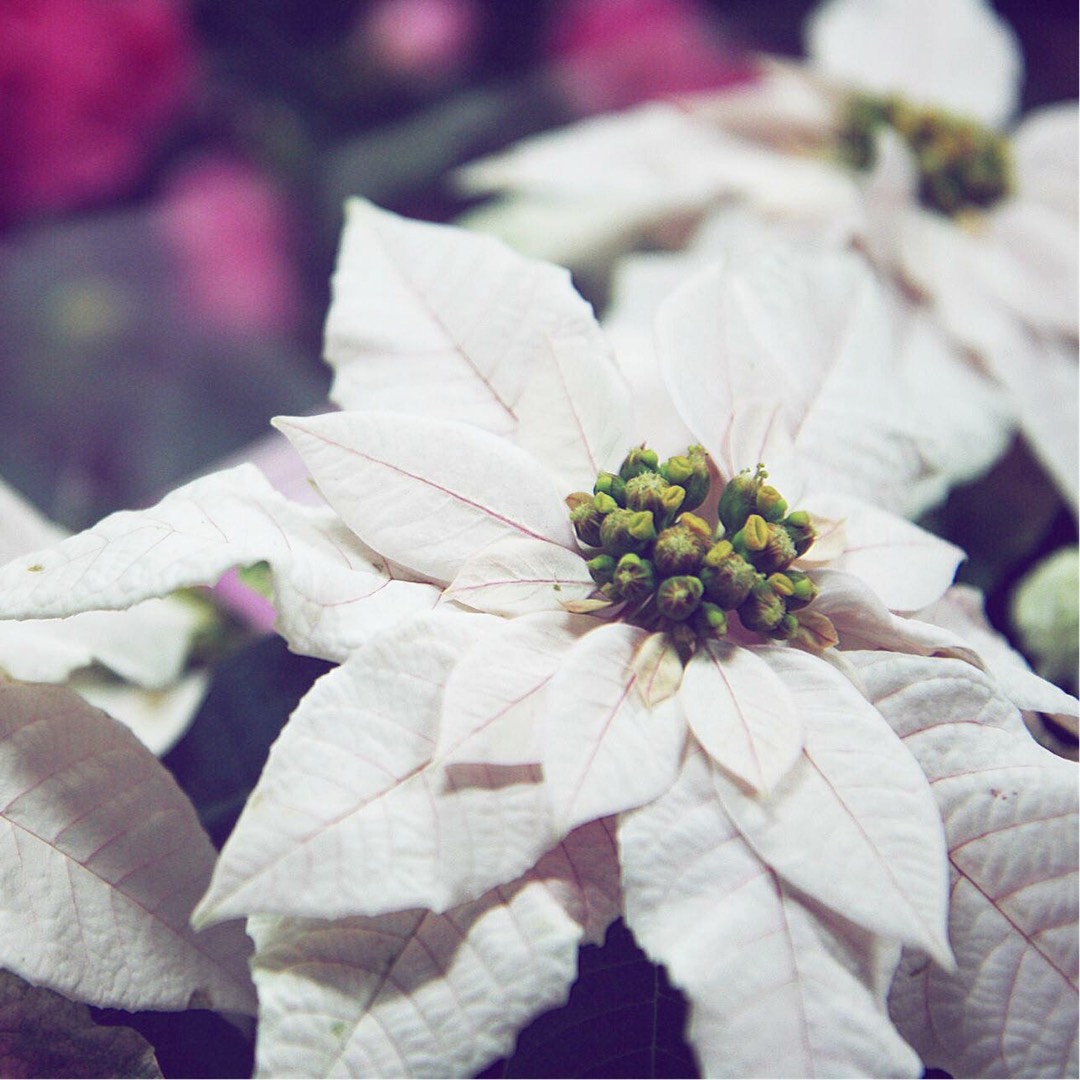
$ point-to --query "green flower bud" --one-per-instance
(691, 472)
(786, 629)
(726, 575)
(610, 484)
(770, 504)
(802, 533)
(640, 459)
(601, 569)
(585, 517)
(778, 551)
(737, 501)
(604, 503)
(752, 537)
(650, 491)
(626, 530)
(710, 620)
(634, 577)
(678, 597)
(679, 548)
(762, 610)
(803, 590)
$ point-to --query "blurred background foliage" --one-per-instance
(172, 174)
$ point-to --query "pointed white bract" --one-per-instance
(427, 493)
(742, 714)
(104, 860)
(1010, 813)
(434, 324)
(605, 749)
(779, 986)
(520, 574)
(419, 994)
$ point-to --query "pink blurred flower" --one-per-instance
(227, 228)
(419, 38)
(88, 87)
(611, 54)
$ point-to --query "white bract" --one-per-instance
(973, 230)
(129, 663)
(508, 757)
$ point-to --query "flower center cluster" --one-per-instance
(674, 571)
(962, 165)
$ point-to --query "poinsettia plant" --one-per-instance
(584, 671)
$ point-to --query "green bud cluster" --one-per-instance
(676, 572)
(962, 165)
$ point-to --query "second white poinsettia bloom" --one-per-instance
(622, 636)
(897, 135)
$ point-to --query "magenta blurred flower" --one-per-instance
(426, 39)
(88, 88)
(227, 228)
(611, 54)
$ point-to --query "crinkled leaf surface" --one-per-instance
(1010, 813)
(44, 1034)
(778, 985)
(452, 324)
(352, 816)
(105, 859)
(416, 993)
(330, 591)
(854, 825)
(426, 492)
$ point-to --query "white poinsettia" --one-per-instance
(892, 137)
(462, 795)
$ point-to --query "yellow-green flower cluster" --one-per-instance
(962, 165)
(675, 571)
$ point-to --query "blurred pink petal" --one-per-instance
(89, 86)
(227, 228)
(611, 54)
(419, 38)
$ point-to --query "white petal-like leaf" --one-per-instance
(447, 323)
(960, 611)
(864, 622)
(352, 816)
(330, 592)
(778, 985)
(854, 824)
(906, 566)
(493, 706)
(605, 749)
(103, 860)
(742, 714)
(427, 493)
(1010, 813)
(519, 574)
(957, 55)
(420, 994)
(809, 331)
